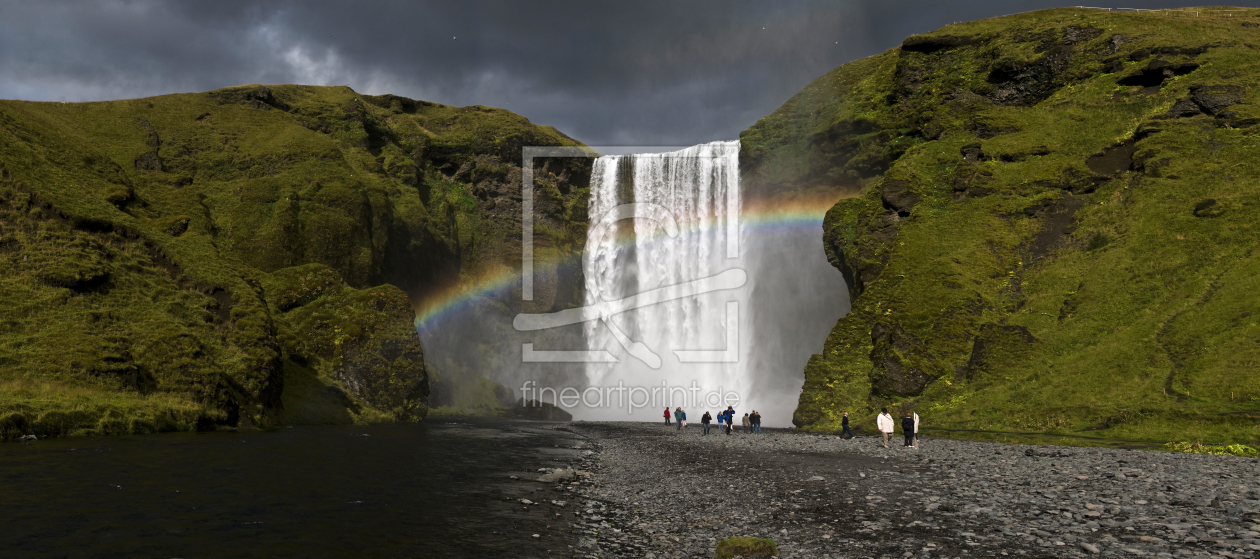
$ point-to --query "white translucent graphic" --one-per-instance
(603, 232)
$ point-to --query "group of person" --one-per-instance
(725, 420)
(887, 426)
(752, 424)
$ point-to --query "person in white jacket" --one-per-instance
(885, 424)
(916, 431)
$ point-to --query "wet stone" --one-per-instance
(670, 494)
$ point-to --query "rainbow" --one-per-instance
(780, 214)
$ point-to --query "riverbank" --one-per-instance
(653, 492)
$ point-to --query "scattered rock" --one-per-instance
(1208, 208)
(1156, 72)
(645, 497)
(1113, 160)
(558, 475)
(898, 197)
(1216, 98)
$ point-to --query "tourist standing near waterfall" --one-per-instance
(916, 430)
(845, 424)
(907, 429)
(667, 417)
(885, 424)
(704, 422)
(747, 424)
(680, 417)
(756, 421)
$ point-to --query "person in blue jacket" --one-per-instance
(680, 417)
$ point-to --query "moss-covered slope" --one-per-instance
(1054, 229)
(191, 259)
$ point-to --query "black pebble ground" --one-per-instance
(647, 491)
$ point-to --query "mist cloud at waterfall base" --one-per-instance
(797, 297)
(474, 357)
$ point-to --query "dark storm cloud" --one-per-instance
(607, 73)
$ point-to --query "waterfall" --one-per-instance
(692, 298)
(666, 227)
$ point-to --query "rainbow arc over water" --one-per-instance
(777, 214)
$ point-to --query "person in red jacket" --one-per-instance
(667, 417)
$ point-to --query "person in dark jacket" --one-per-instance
(756, 421)
(907, 428)
(730, 417)
(845, 424)
(667, 417)
(705, 419)
(680, 417)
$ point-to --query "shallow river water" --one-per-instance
(414, 490)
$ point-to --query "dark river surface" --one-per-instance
(436, 489)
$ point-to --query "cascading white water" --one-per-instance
(669, 223)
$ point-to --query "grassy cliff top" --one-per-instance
(1050, 229)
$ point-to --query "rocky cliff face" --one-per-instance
(1051, 224)
(193, 259)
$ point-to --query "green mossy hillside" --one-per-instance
(1053, 229)
(157, 254)
(362, 339)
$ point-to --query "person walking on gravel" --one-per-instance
(704, 421)
(730, 420)
(907, 429)
(916, 431)
(667, 417)
(844, 422)
(885, 424)
(721, 418)
(747, 425)
(680, 417)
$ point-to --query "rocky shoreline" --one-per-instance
(644, 491)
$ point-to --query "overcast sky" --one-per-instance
(626, 72)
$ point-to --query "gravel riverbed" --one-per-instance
(646, 491)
